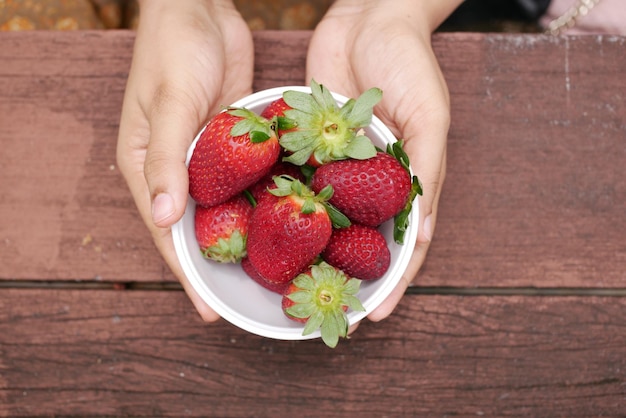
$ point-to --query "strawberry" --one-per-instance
(288, 230)
(372, 191)
(259, 189)
(249, 269)
(222, 230)
(360, 251)
(320, 297)
(236, 149)
(323, 131)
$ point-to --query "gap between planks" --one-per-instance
(416, 290)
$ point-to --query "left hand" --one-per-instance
(190, 58)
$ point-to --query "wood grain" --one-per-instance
(136, 353)
(534, 195)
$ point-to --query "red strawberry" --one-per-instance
(288, 230)
(371, 191)
(360, 251)
(235, 150)
(249, 269)
(325, 132)
(222, 230)
(320, 298)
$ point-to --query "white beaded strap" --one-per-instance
(568, 19)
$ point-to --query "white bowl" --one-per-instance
(243, 302)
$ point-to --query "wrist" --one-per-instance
(428, 14)
(179, 5)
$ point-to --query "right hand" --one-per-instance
(191, 57)
(386, 43)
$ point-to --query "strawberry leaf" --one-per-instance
(352, 287)
(315, 321)
(293, 141)
(360, 148)
(304, 282)
(300, 297)
(308, 206)
(284, 123)
(354, 303)
(256, 137)
(397, 151)
(242, 127)
(333, 327)
(250, 198)
(338, 219)
(227, 250)
(299, 157)
(401, 220)
(326, 193)
(302, 310)
(307, 171)
(259, 128)
(346, 109)
(301, 101)
(240, 112)
(283, 186)
(322, 96)
(361, 114)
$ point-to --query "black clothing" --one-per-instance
(473, 14)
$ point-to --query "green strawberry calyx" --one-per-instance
(227, 250)
(309, 201)
(259, 128)
(326, 131)
(323, 293)
(401, 220)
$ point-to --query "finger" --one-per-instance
(353, 328)
(389, 304)
(130, 159)
(417, 260)
(173, 125)
(163, 240)
(426, 132)
(431, 161)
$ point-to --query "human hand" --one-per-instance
(362, 44)
(191, 57)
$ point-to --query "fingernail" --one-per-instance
(162, 208)
(427, 228)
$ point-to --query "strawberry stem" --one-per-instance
(324, 130)
(258, 128)
(324, 295)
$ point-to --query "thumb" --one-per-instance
(173, 125)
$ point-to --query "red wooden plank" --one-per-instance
(146, 353)
(534, 194)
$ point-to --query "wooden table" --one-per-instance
(520, 308)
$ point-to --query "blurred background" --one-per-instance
(473, 15)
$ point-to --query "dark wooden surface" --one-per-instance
(520, 308)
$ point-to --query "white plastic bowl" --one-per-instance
(235, 297)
